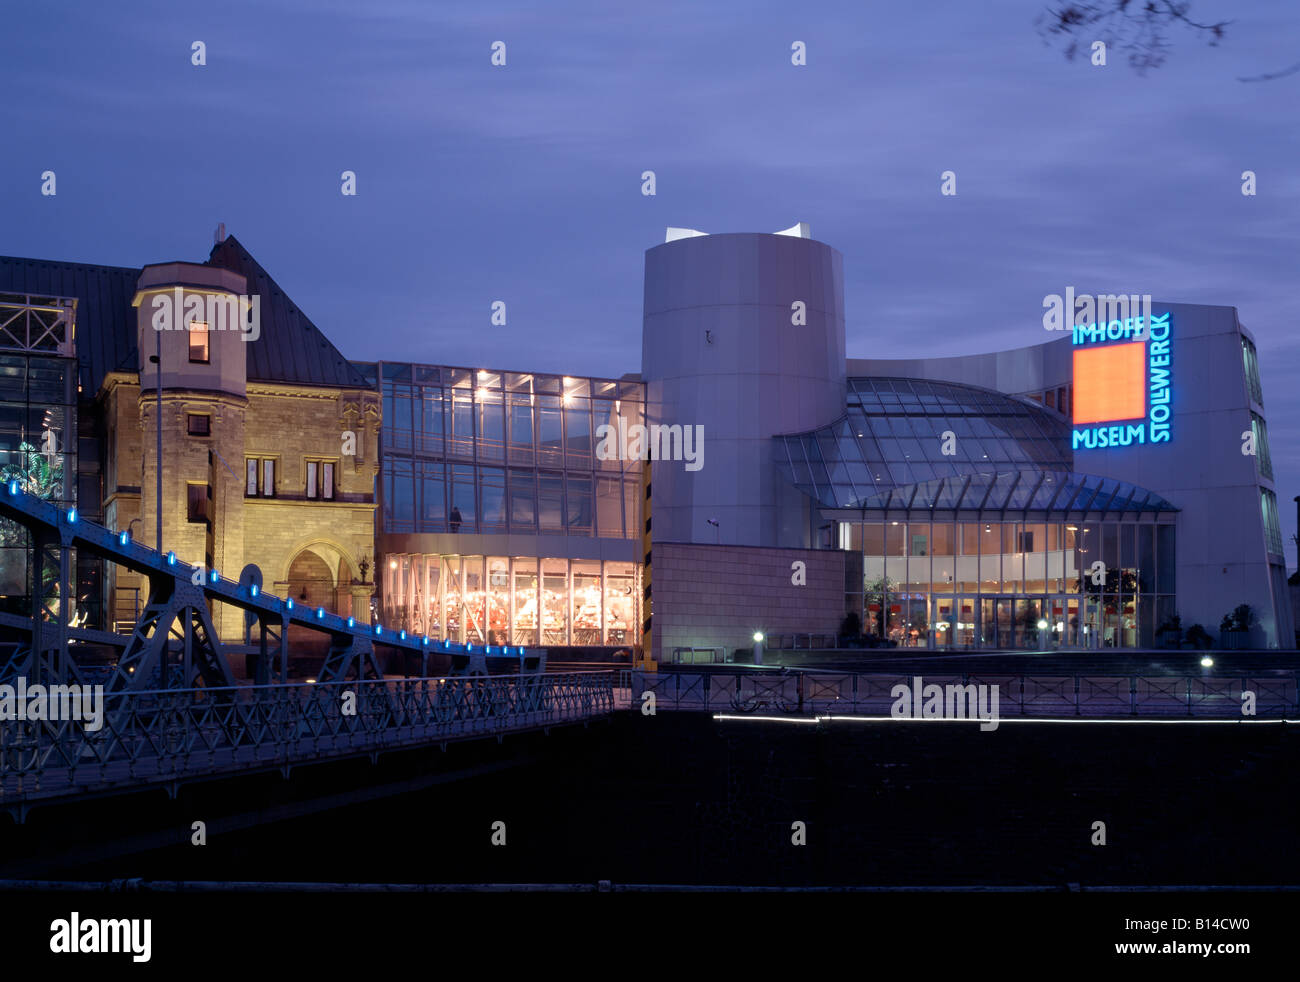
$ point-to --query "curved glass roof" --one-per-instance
(1057, 492)
(892, 435)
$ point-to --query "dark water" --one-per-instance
(685, 799)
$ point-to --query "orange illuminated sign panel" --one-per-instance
(1110, 383)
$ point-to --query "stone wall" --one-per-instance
(291, 424)
(706, 596)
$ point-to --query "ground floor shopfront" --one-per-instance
(1033, 585)
(513, 600)
(944, 621)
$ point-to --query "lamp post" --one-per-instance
(157, 360)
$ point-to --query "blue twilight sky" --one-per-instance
(522, 183)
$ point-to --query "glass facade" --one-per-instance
(1024, 584)
(513, 600)
(38, 436)
(900, 432)
(476, 451)
(480, 455)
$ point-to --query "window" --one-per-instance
(1272, 530)
(197, 502)
(198, 424)
(523, 500)
(1250, 362)
(1263, 458)
(265, 468)
(320, 479)
(199, 343)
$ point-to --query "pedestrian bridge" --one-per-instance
(90, 712)
(166, 738)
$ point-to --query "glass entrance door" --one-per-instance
(1055, 616)
(1006, 623)
(1092, 632)
(942, 619)
(966, 627)
(988, 624)
(1073, 633)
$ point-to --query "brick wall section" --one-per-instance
(707, 596)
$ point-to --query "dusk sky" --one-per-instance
(522, 183)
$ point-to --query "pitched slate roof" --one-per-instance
(291, 349)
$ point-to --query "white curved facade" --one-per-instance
(727, 349)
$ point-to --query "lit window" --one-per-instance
(266, 468)
(320, 479)
(199, 342)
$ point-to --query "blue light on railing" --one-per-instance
(254, 590)
(469, 647)
(288, 603)
(13, 486)
(402, 634)
(446, 644)
(489, 649)
(214, 576)
(171, 559)
(426, 640)
(72, 516)
(320, 613)
(352, 622)
(379, 629)
(123, 538)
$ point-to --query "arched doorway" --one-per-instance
(311, 582)
(320, 574)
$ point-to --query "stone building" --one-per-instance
(269, 435)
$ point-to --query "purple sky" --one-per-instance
(522, 183)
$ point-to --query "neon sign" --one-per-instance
(1124, 383)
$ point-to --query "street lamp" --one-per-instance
(157, 360)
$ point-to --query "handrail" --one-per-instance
(166, 736)
(1099, 696)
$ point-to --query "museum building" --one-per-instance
(1077, 492)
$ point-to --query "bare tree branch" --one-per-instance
(1140, 28)
(1269, 76)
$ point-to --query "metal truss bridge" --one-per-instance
(172, 710)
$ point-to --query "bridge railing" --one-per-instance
(171, 735)
(1028, 696)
